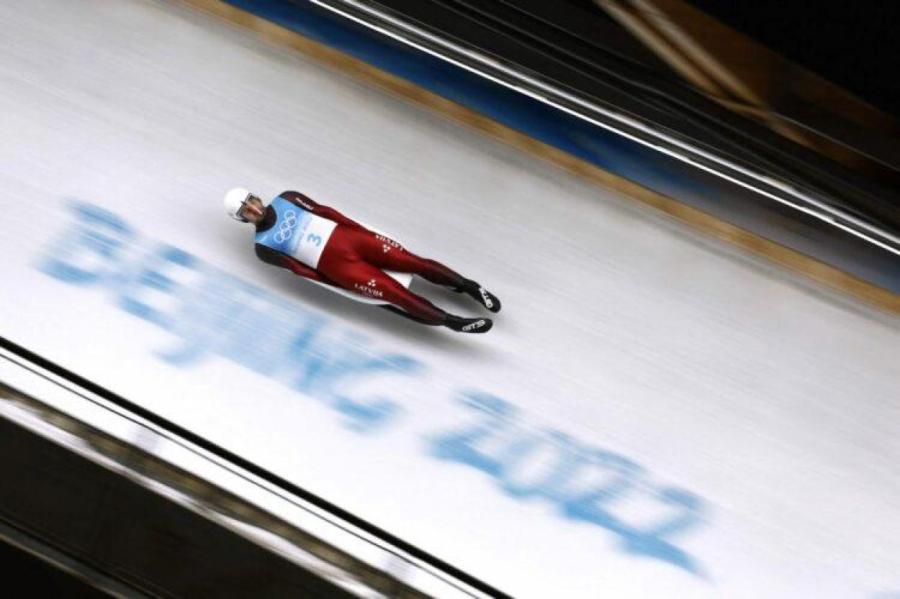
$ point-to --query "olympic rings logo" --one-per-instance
(286, 226)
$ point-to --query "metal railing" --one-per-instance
(394, 25)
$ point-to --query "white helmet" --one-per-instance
(235, 200)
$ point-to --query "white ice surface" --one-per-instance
(772, 400)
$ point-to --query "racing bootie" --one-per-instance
(480, 295)
(468, 325)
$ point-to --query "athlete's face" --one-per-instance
(253, 210)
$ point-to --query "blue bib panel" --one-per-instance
(297, 233)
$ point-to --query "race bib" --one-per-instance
(297, 233)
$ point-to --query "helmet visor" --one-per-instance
(248, 206)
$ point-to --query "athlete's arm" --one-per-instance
(307, 203)
(270, 256)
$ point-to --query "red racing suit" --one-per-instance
(354, 258)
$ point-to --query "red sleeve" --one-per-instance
(298, 268)
(298, 199)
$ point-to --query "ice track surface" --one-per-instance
(654, 414)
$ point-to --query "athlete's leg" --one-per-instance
(368, 281)
(402, 313)
(349, 247)
(387, 254)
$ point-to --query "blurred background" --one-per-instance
(688, 208)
